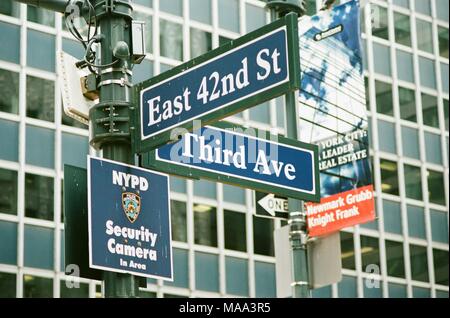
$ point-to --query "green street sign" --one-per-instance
(243, 157)
(245, 72)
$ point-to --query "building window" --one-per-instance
(265, 285)
(38, 247)
(444, 76)
(204, 188)
(389, 178)
(82, 291)
(430, 110)
(380, 22)
(442, 9)
(177, 184)
(201, 42)
(41, 16)
(229, 15)
(412, 186)
(424, 36)
(9, 92)
(263, 236)
(40, 98)
(180, 269)
(433, 148)
(8, 249)
(37, 287)
(439, 226)
(443, 41)
(178, 220)
(347, 250)
(200, 10)
(419, 292)
(440, 259)
(40, 146)
(436, 192)
(205, 225)
(401, 3)
(405, 68)
(233, 194)
(173, 6)
(427, 71)
(370, 254)
(260, 113)
(419, 263)
(11, 35)
(236, 276)
(407, 103)
(9, 7)
(206, 272)
(445, 102)
(423, 6)
(7, 285)
(8, 195)
(397, 290)
(382, 64)
(416, 221)
(392, 217)
(347, 287)
(394, 259)
(255, 17)
(171, 39)
(402, 29)
(387, 129)
(235, 231)
(74, 150)
(38, 197)
(410, 142)
(383, 93)
(148, 29)
(41, 50)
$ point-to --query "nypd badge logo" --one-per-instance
(131, 204)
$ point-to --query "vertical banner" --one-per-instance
(332, 114)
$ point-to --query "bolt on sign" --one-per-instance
(332, 115)
(129, 230)
(245, 72)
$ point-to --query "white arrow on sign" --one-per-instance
(272, 204)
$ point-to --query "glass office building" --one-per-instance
(220, 248)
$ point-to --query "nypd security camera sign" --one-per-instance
(245, 72)
(129, 219)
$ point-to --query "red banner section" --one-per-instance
(340, 210)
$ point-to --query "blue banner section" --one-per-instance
(129, 220)
(231, 153)
(237, 74)
(332, 111)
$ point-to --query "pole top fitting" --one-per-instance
(283, 7)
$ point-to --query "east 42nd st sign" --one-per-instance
(245, 72)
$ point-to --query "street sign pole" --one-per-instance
(297, 216)
(110, 117)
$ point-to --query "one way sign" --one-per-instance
(269, 205)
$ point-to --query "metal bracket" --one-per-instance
(121, 82)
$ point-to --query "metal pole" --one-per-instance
(297, 216)
(110, 117)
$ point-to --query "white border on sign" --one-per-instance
(246, 178)
(90, 222)
(286, 79)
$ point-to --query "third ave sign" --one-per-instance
(235, 155)
(245, 72)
